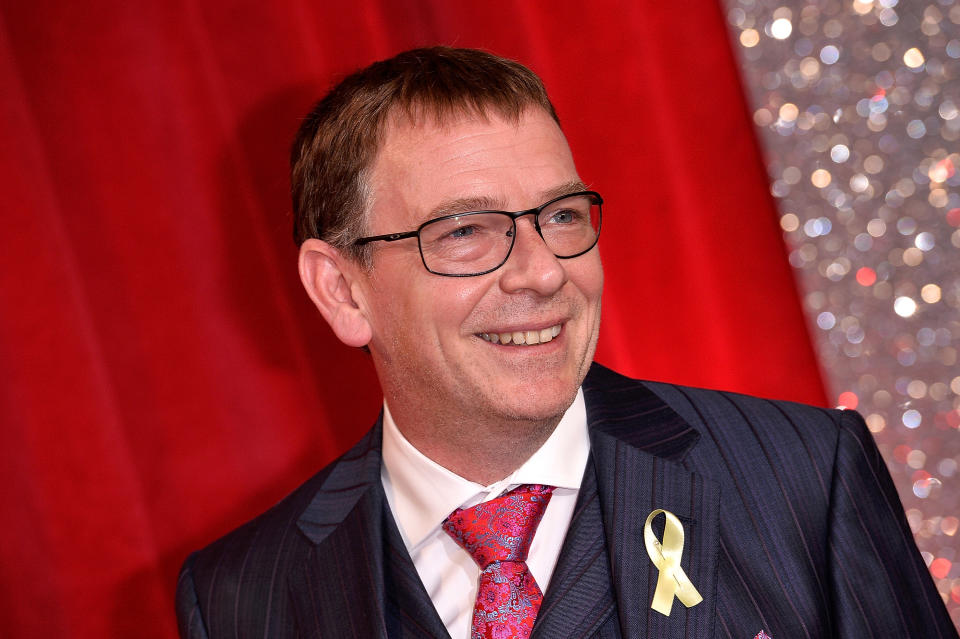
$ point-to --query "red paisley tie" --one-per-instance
(497, 534)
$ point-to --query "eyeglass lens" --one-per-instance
(474, 243)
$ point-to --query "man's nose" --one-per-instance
(531, 265)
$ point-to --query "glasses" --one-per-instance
(479, 242)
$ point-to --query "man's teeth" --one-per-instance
(523, 337)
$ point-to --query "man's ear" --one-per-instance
(328, 277)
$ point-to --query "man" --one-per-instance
(511, 488)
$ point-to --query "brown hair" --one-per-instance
(339, 139)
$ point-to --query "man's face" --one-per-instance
(427, 343)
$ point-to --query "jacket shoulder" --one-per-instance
(248, 567)
(730, 419)
(265, 529)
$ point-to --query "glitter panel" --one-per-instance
(857, 105)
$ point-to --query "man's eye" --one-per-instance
(564, 216)
(461, 232)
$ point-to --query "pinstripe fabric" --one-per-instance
(791, 523)
(266, 579)
(580, 600)
(813, 540)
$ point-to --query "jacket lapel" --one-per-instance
(639, 444)
(359, 573)
(409, 611)
(339, 591)
(580, 597)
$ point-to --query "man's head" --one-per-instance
(429, 334)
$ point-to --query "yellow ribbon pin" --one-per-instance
(672, 581)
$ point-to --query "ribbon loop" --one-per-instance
(672, 580)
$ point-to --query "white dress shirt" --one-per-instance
(422, 493)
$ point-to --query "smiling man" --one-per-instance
(511, 488)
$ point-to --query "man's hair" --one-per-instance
(339, 140)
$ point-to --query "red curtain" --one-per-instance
(162, 375)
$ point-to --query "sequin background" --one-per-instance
(857, 105)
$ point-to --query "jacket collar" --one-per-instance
(350, 478)
(627, 410)
(376, 591)
(339, 590)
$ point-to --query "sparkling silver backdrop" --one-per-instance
(857, 104)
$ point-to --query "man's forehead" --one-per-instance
(451, 206)
(404, 136)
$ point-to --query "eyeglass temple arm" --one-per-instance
(391, 237)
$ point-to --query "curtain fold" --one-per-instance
(164, 377)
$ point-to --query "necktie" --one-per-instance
(497, 534)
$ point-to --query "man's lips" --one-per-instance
(523, 337)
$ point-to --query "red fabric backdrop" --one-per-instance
(162, 375)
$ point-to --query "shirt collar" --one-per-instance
(422, 493)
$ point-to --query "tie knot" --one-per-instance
(500, 529)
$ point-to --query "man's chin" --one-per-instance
(538, 404)
(536, 389)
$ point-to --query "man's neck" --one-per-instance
(482, 451)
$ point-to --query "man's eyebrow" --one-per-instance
(573, 186)
(486, 203)
(466, 205)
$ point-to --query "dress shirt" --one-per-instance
(422, 494)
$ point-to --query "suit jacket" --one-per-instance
(792, 526)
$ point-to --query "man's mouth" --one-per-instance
(523, 338)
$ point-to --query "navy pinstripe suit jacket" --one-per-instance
(792, 525)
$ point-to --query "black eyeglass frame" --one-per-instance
(535, 212)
